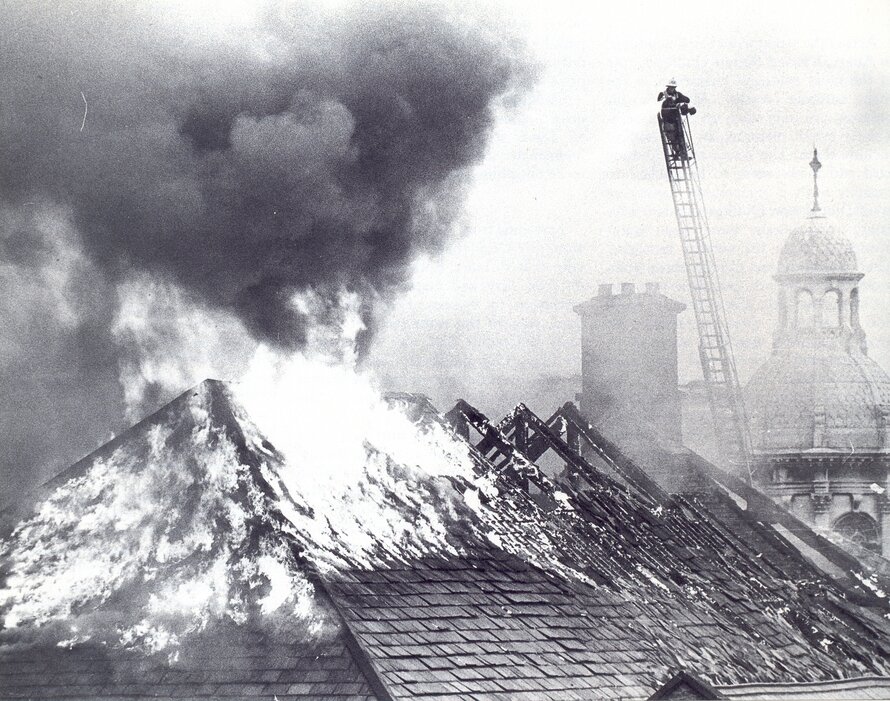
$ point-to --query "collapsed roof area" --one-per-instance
(528, 559)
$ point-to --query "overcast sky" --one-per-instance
(173, 169)
(573, 192)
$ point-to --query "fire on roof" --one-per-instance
(311, 547)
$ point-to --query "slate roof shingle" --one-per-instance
(600, 585)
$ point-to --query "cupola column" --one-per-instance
(820, 417)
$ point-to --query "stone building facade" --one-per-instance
(819, 406)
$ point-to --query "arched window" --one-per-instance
(831, 309)
(804, 316)
(859, 528)
(854, 308)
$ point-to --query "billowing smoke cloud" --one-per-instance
(307, 152)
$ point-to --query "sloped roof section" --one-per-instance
(160, 567)
(860, 689)
(221, 662)
(605, 592)
(459, 570)
(686, 686)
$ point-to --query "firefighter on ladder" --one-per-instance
(675, 106)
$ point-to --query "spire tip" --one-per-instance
(815, 165)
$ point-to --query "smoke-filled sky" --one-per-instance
(182, 179)
(573, 192)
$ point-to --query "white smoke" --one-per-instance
(176, 526)
(332, 337)
(171, 342)
(55, 258)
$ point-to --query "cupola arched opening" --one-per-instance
(832, 316)
(804, 309)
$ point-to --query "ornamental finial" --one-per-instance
(815, 165)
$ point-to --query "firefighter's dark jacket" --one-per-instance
(672, 100)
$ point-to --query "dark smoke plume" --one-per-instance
(316, 150)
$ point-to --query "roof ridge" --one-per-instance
(23, 503)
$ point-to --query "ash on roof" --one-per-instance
(447, 564)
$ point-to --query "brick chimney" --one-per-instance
(629, 358)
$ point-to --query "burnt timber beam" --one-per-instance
(612, 454)
(521, 470)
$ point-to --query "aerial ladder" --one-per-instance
(715, 347)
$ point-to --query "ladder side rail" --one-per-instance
(714, 270)
(705, 305)
(726, 399)
(737, 399)
(715, 349)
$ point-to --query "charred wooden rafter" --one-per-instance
(497, 448)
(523, 432)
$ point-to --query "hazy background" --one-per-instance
(209, 122)
(573, 191)
(180, 181)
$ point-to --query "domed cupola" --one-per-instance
(819, 407)
(819, 390)
(818, 280)
(816, 247)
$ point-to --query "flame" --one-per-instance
(176, 528)
(210, 516)
(152, 542)
(357, 478)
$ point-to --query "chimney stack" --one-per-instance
(629, 359)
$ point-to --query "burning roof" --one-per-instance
(228, 546)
